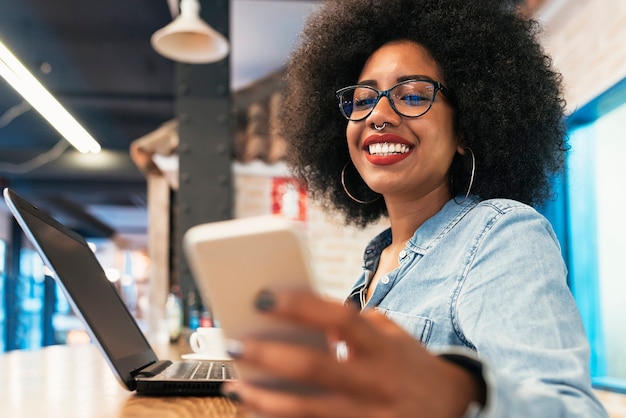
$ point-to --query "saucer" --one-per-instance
(202, 356)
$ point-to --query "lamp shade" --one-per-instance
(189, 39)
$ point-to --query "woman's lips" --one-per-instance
(386, 149)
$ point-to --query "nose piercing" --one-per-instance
(380, 128)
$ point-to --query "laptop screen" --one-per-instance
(90, 292)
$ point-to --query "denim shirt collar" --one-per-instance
(422, 240)
(440, 224)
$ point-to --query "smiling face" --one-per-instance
(409, 159)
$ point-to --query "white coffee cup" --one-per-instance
(209, 343)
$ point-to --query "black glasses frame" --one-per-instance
(437, 86)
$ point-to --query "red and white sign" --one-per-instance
(289, 198)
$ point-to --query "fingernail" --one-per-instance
(234, 348)
(265, 301)
(233, 396)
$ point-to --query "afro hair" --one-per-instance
(508, 100)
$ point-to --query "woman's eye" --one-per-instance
(412, 99)
(364, 102)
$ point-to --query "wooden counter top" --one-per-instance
(75, 381)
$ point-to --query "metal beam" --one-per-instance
(203, 109)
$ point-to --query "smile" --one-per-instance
(385, 149)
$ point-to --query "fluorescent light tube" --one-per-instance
(12, 70)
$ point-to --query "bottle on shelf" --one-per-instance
(174, 315)
(193, 311)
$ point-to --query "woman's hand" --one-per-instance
(387, 373)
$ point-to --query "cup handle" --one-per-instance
(194, 343)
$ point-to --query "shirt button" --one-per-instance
(385, 280)
(402, 254)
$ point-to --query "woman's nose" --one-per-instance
(384, 112)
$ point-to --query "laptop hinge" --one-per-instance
(154, 368)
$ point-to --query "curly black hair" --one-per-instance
(509, 105)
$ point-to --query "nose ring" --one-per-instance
(380, 128)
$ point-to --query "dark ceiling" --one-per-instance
(96, 59)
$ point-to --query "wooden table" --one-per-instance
(74, 381)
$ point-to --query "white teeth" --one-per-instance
(386, 149)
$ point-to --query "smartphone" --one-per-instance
(233, 261)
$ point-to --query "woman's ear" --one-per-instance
(462, 145)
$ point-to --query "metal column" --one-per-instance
(203, 109)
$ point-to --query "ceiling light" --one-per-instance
(12, 70)
(189, 39)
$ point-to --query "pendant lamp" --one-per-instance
(189, 39)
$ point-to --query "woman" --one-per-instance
(449, 123)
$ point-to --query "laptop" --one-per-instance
(106, 318)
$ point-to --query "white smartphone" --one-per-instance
(233, 261)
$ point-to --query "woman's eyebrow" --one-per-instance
(374, 83)
(415, 77)
(371, 83)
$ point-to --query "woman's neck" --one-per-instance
(406, 216)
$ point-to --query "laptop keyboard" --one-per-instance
(202, 370)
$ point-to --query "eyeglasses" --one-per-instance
(410, 98)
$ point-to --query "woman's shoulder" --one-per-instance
(495, 208)
(490, 213)
(487, 209)
(477, 212)
(505, 205)
(510, 215)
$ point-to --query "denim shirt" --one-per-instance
(488, 278)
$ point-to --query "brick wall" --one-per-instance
(586, 39)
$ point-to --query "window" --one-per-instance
(30, 294)
(34, 311)
(596, 230)
(2, 294)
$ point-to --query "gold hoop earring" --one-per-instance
(471, 182)
(345, 189)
